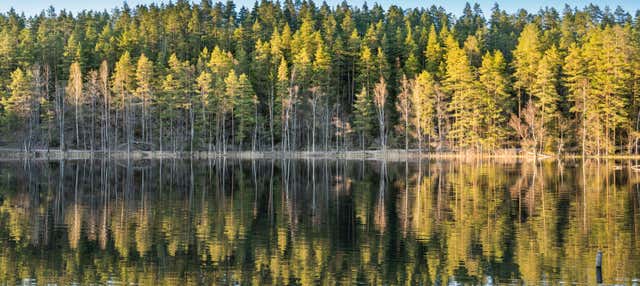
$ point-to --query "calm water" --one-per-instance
(180, 222)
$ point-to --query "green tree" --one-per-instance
(363, 114)
(367, 69)
(584, 104)
(207, 103)
(122, 86)
(283, 101)
(495, 99)
(461, 84)
(19, 105)
(245, 104)
(144, 92)
(609, 54)
(412, 65)
(546, 95)
(227, 102)
(527, 55)
(423, 100)
(174, 101)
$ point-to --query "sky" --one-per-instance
(32, 7)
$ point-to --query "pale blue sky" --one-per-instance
(31, 7)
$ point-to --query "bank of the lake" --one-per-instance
(388, 155)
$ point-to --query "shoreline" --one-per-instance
(390, 155)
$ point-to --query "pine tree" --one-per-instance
(165, 106)
(321, 86)
(306, 63)
(495, 99)
(460, 83)
(73, 51)
(382, 64)
(122, 86)
(545, 92)
(175, 100)
(19, 104)
(144, 92)
(282, 103)
(264, 75)
(577, 82)
(207, 103)
(527, 55)
(609, 57)
(472, 49)
(411, 65)
(103, 78)
(227, 102)
(423, 101)
(322, 67)
(366, 65)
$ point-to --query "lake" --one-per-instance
(301, 222)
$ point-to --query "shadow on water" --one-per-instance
(317, 222)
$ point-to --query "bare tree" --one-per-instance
(530, 130)
(403, 105)
(379, 99)
(74, 89)
(316, 94)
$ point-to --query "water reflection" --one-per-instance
(179, 222)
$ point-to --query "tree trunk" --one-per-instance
(60, 93)
(406, 135)
(255, 127)
(192, 119)
(313, 128)
(271, 118)
(77, 122)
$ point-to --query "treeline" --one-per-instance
(210, 77)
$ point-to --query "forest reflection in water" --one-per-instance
(177, 222)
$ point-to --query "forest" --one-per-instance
(302, 76)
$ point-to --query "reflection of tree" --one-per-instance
(219, 222)
(380, 214)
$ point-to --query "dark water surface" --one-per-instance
(180, 222)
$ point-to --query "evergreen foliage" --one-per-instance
(195, 77)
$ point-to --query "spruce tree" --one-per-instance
(244, 106)
(363, 114)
